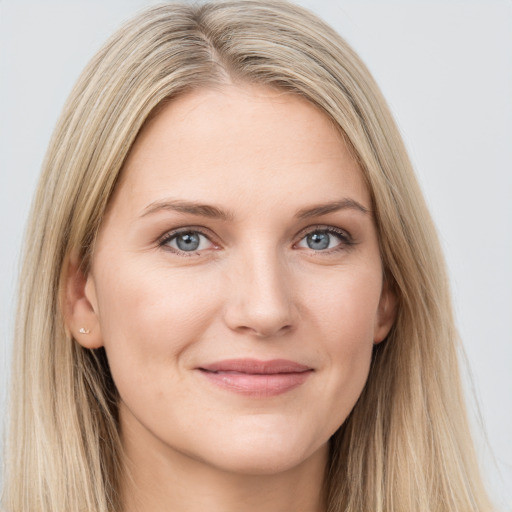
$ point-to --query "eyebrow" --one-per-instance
(333, 206)
(214, 212)
(180, 206)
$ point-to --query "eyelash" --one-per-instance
(346, 240)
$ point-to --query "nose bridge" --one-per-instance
(261, 293)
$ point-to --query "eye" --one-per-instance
(324, 239)
(187, 241)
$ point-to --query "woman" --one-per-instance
(233, 296)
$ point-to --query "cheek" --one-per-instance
(345, 315)
(148, 318)
(345, 307)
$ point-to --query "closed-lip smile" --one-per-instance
(255, 378)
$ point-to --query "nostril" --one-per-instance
(264, 332)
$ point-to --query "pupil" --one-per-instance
(318, 240)
(188, 241)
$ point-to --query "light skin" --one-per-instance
(278, 258)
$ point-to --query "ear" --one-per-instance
(386, 313)
(80, 306)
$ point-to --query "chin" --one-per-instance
(265, 454)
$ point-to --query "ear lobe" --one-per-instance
(79, 305)
(386, 313)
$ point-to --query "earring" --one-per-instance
(83, 330)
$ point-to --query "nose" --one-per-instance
(260, 300)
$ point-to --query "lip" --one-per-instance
(255, 378)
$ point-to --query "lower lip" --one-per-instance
(257, 385)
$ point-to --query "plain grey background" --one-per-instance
(445, 68)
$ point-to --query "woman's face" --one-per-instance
(236, 283)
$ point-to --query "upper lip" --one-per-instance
(256, 367)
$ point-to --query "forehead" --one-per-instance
(241, 144)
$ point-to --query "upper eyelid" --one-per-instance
(168, 235)
(323, 227)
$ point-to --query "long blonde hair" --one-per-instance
(406, 445)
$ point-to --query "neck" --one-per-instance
(161, 480)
